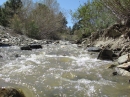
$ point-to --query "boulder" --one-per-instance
(4, 45)
(31, 46)
(35, 46)
(122, 72)
(125, 66)
(25, 48)
(114, 73)
(10, 92)
(106, 54)
(123, 59)
(94, 49)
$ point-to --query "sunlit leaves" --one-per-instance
(120, 8)
(91, 16)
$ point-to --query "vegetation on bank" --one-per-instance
(96, 15)
(45, 20)
(37, 20)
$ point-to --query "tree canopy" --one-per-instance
(92, 16)
(37, 20)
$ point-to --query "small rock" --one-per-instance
(1, 56)
(79, 45)
(111, 66)
(56, 42)
(94, 49)
(17, 55)
(114, 73)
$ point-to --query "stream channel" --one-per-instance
(59, 70)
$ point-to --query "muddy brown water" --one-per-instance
(61, 70)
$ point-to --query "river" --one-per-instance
(59, 70)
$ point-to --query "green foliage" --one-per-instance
(47, 22)
(120, 8)
(12, 7)
(38, 20)
(33, 30)
(16, 24)
(92, 16)
(3, 17)
(9, 9)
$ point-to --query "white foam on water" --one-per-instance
(90, 87)
(7, 79)
(14, 69)
(100, 82)
(29, 64)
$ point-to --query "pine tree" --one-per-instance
(10, 8)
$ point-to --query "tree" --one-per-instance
(38, 20)
(92, 16)
(10, 8)
(47, 23)
(13, 6)
(3, 17)
(120, 8)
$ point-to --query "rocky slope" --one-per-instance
(7, 37)
(114, 40)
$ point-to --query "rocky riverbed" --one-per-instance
(8, 38)
(111, 47)
(70, 57)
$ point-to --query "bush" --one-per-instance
(33, 30)
(17, 24)
(120, 8)
(92, 16)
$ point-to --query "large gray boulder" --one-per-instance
(123, 59)
(106, 54)
(122, 72)
(125, 66)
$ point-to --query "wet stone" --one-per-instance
(10, 92)
(114, 73)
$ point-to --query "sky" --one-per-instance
(66, 6)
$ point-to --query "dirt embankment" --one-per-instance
(115, 38)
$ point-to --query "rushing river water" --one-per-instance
(61, 70)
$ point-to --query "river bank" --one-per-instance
(114, 42)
